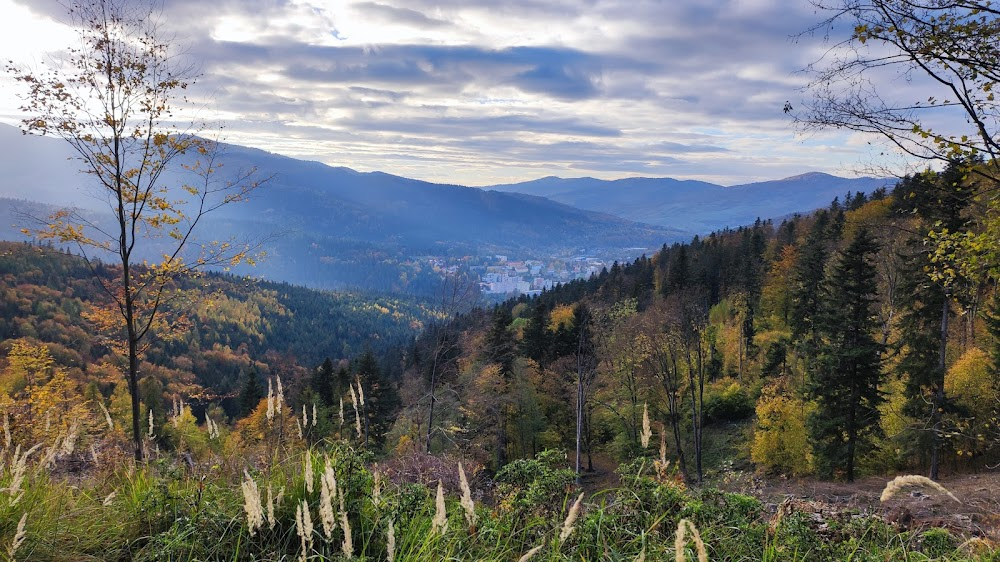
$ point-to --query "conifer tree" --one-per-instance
(251, 393)
(536, 339)
(937, 199)
(806, 292)
(500, 349)
(845, 382)
(381, 399)
(323, 382)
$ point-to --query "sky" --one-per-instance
(479, 92)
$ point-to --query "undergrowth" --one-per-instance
(169, 510)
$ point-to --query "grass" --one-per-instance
(166, 510)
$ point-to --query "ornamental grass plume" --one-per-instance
(663, 447)
(341, 411)
(361, 391)
(279, 398)
(527, 555)
(390, 542)
(19, 535)
(357, 414)
(305, 417)
(270, 400)
(570, 522)
(440, 522)
(49, 457)
(213, 428)
(304, 528)
(270, 507)
(107, 414)
(307, 473)
(69, 443)
(326, 495)
(315, 416)
(298, 427)
(18, 466)
(680, 539)
(347, 547)
(109, 498)
(251, 504)
(150, 433)
(647, 431)
(898, 483)
(467, 505)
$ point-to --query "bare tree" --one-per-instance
(112, 99)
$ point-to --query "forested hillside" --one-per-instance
(834, 344)
(838, 344)
(853, 341)
(220, 334)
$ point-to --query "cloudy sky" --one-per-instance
(479, 92)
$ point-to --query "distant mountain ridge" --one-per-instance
(695, 206)
(340, 227)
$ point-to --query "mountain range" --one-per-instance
(696, 207)
(337, 227)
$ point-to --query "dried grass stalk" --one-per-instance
(390, 542)
(326, 514)
(307, 473)
(279, 398)
(347, 547)
(899, 483)
(647, 431)
(570, 522)
(680, 539)
(251, 504)
(107, 414)
(527, 555)
(270, 399)
(270, 508)
(440, 522)
(19, 535)
(304, 528)
(467, 504)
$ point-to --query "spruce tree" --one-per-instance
(845, 382)
(806, 292)
(500, 349)
(535, 342)
(381, 399)
(322, 382)
(920, 342)
(251, 393)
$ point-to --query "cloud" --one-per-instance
(405, 16)
(476, 91)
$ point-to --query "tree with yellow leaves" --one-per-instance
(113, 100)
